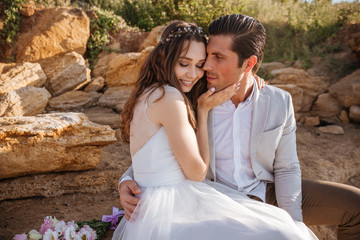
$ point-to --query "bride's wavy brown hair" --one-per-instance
(158, 70)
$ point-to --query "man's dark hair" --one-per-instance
(249, 36)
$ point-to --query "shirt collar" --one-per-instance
(229, 104)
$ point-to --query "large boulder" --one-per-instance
(104, 116)
(53, 31)
(271, 66)
(73, 100)
(26, 101)
(121, 69)
(50, 142)
(115, 97)
(347, 90)
(153, 38)
(65, 73)
(22, 75)
(312, 86)
(326, 106)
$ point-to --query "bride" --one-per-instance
(165, 121)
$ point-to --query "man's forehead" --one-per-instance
(220, 43)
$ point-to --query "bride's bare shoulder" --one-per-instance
(165, 95)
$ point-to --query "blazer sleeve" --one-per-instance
(287, 173)
(128, 175)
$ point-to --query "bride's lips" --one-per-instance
(186, 83)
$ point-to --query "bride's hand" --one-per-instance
(211, 99)
(260, 82)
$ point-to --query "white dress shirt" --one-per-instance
(232, 128)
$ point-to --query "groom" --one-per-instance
(252, 137)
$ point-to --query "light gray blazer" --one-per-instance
(272, 147)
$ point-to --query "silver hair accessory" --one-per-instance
(197, 30)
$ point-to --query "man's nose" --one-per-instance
(207, 65)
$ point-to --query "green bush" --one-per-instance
(12, 21)
(100, 28)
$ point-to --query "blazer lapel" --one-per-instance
(259, 117)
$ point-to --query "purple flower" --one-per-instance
(114, 218)
(20, 237)
(46, 225)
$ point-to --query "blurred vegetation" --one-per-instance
(296, 30)
(101, 25)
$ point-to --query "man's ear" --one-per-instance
(250, 63)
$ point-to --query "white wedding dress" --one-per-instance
(174, 208)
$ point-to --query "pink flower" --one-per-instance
(46, 225)
(91, 233)
(20, 237)
(50, 235)
(114, 218)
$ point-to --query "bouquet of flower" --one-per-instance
(53, 229)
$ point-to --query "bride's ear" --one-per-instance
(249, 63)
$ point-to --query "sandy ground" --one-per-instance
(322, 156)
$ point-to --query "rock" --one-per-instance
(332, 129)
(354, 43)
(26, 101)
(355, 113)
(4, 67)
(27, 10)
(312, 86)
(95, 85)
(51, 32)
(153, 38)
(319, 67)
(296, 94)
(22, 75)
(73, 100)
(326, 106)
(115, 159)
(65, 73)
(344, 116)
(298, 64)
(121, 69)
(268, 67)
(291, 72)
(347, 90)
(311, 121)
(103, 116)
(50, 142)
(115, 97)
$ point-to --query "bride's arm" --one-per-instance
(206, 102)
(170, 111)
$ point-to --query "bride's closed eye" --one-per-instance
(183, 64)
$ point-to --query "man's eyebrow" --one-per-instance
(217, 53)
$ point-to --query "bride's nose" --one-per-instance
(191, 73)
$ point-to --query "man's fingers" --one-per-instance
(134, 188)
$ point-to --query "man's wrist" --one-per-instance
(124, 179)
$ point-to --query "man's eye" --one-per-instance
(218, 57)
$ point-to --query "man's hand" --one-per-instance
(128, 201)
